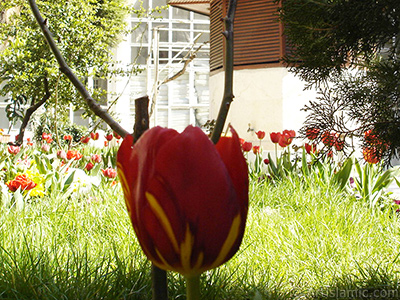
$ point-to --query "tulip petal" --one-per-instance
(192, 171)
(231, 154)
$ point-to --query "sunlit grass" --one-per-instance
(299, 242)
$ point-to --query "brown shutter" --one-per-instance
(257, 34)
(216, 38)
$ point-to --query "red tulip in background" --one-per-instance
(13, 149)
(96, 158)
(187, 198)
(74, 154)
(256, 149)
(310, 148)
(116, 135)
(312, 133)
(286, 138)
(21, 181)
(94, 136)
(89, 166)
(109, 137)
(260, 134)
(247, 146)
(85, 139)
(275, 136)
(109, 172)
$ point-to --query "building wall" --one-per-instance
(268, 99)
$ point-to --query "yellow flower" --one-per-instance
(37, 178)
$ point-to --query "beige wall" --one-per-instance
(268, 99)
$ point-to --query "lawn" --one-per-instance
(301, 242)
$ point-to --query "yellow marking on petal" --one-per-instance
(186, 250)
(230, 240)
(199, 261)
(125, 188)
(162, 217)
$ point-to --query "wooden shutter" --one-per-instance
(257, 34)
(216, 38)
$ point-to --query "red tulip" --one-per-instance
(266, 161)
(89, 166)
(94, 136)
(45, 148)
(247, 146)
(21, 181)
(109, 172)
(85, 139)
(61, 154)
(275, 136)
(339, 144)
(310, 148)
(187, 198)
(46, 136)
(68, 137)
(13, 149)
(260, 134)
(96, 158)
(256, 149)
(372, 155)
(290, 133)
(109, 137)
(286, 138)
(312, 133)
(74, 154)
(116, 135)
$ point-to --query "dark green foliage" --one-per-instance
(350, 51)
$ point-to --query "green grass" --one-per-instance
(300, 243)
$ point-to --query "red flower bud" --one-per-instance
(260, 134)
(187, 198)
(109, 137)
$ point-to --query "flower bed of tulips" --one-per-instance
(30, 172)
(66, 234)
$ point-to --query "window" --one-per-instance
(184, 100)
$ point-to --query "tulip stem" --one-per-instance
(193, 287)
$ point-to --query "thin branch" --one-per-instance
(29, 112)
(228, 62)
(64, 68)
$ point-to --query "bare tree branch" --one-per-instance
(64, 68)
(228, 62)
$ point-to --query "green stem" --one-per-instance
(193, 287)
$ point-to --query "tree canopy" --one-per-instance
(350, 51)
(85, 32)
